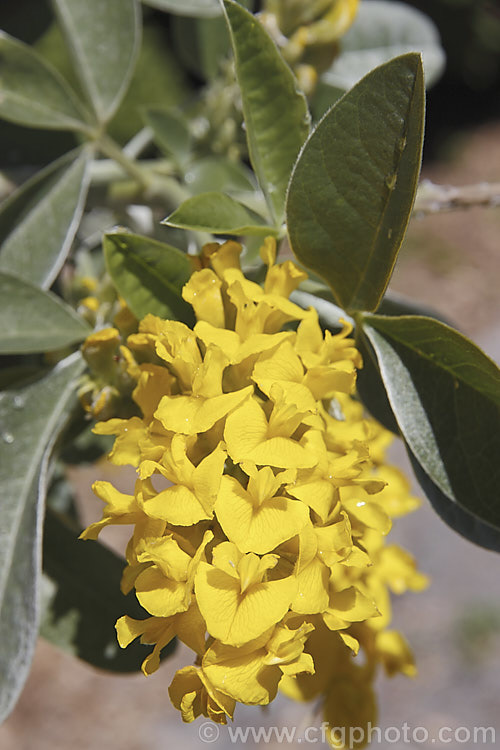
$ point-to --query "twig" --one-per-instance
(432, 199)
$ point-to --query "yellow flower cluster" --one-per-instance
(262, 501)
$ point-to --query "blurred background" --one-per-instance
(451, 261)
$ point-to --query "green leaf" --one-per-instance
(104, 40)
(83, 599)
(276, 115)
(149, 275)
(22, 374)
(30, 418)
(170, 132)
(369, 383)
(158, 80)
(445, 395)
(218, 173)
(197, 8)
(201, 44)
(457, 518)
(370, 386)
(352, 189)
(33, 93)
(219, 214)
(39, 221)
(34, 320)
(383, 30)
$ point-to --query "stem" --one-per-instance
(156, 186)
(433, 198)
(104, 171)
(108, 146)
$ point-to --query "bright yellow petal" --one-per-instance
(303, 664)
(129, 432)
(185, 693)
(157, 631)
(189, 415)
(223, 257)
(167, 554)
(312, 595)
(325, 382)
(234, 618)
(246, 436)
(228, 341)
(395, 653)
(369, 513)
(119, 509)
(192, 693)
(226, 556)
(177, 505)
(331, 658)
(283, 279)
(346, 606)
(191, 629)
(349, 706)
(207, 478)
(398, 568)
(207, 381)
(349, 641)
(318, 494)
(242, 675)
(154, 382)
(160, 596)
(203, 292)
(257, 528)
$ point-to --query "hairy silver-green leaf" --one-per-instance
(219, 214)
(353, 186)
(34, 320)
(170, 132)
(33, 93)
(201, 44)
(370, 386)
(276, 115)
(383, 30)
(218, 173)
(148, 274)
(197, 8)
(457, 518)
(104, 39)
(29, 420)
(329, 314)
(445, 395)
(39, 221)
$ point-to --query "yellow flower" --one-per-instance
(119, 509)
(262, 501)
(251, 673)
(192, 694)
(189, 626)
(257, 519)
(194, 489)
(235, 597)
(164, 587)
